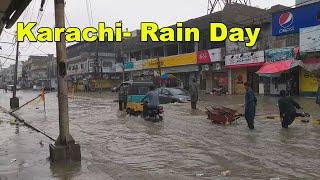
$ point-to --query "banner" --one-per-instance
(245, 59)
(310, 39)
(208, 56)
(171, 61)
(308, 81)
(288, 22)
(281, 54)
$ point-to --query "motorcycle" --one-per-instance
(155, 114)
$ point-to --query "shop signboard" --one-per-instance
(290, 21)
(310, 39)
(245, 59)
(281, 54)
(208, 56)
(308, 82)
(171, 61)
(128, 66)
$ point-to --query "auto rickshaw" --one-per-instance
(137, 90)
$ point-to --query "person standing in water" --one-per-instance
(250, 106)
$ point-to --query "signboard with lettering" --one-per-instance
(245, 58)
(208, 56)
(281, 54)
(290, 21)
(310, 39)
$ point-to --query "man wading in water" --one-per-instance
(287, 108)
(250, 106)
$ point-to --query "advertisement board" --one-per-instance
(281, 54)
(245, 59)
(208, 56)
(128, 66)
(290, 21)
(172, 61)
(310, 39)
(308, 82)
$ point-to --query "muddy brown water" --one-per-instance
(185, 144)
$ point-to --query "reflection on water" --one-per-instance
(66, 170)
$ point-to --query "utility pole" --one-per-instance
(14, 101)
(159, 68)
(65, 147)
(123, 68)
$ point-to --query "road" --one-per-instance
(185, 145)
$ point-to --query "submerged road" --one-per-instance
(185, 145)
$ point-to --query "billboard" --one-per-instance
(290, 21)
(281, 54)
(172, 61)
(245, 58)
(208, 56)
(310, 39)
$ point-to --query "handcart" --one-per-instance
(222, 115)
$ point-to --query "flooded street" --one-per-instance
(186, 145)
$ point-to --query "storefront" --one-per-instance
(183, 67)
(243, 69)
(287, 78)
(213, 75)
(183, 74)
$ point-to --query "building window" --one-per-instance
(82, 66)
(107, 64)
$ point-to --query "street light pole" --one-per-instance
(65, 147)
(14, 101)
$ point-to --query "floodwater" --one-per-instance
(185, 145)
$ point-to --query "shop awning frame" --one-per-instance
(274, 69)
(244, 65)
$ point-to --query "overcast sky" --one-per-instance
(164, 12)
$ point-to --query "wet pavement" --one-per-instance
(185, 145)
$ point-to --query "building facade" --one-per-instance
(92, 64)
(227, 64)
(35, 72)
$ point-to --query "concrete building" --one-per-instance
(204, 60)
(94, 63)
(35, 72)
(7, 75)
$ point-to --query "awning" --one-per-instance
(273, 68)
(167, 76)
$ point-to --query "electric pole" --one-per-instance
(65, 147)
(14, 101)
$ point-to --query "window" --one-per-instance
(107, 64)
(82, 66)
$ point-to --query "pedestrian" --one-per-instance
(287, 108)
(250, 106)
(194, 93)
(5, 88)
(122, 97)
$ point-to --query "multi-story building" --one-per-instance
(203, 60)
(92, 62)
(35, 71)
(7, 75)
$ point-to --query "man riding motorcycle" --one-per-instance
(151, 101)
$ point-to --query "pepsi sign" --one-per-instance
(290, 21)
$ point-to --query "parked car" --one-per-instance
(172, 95)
